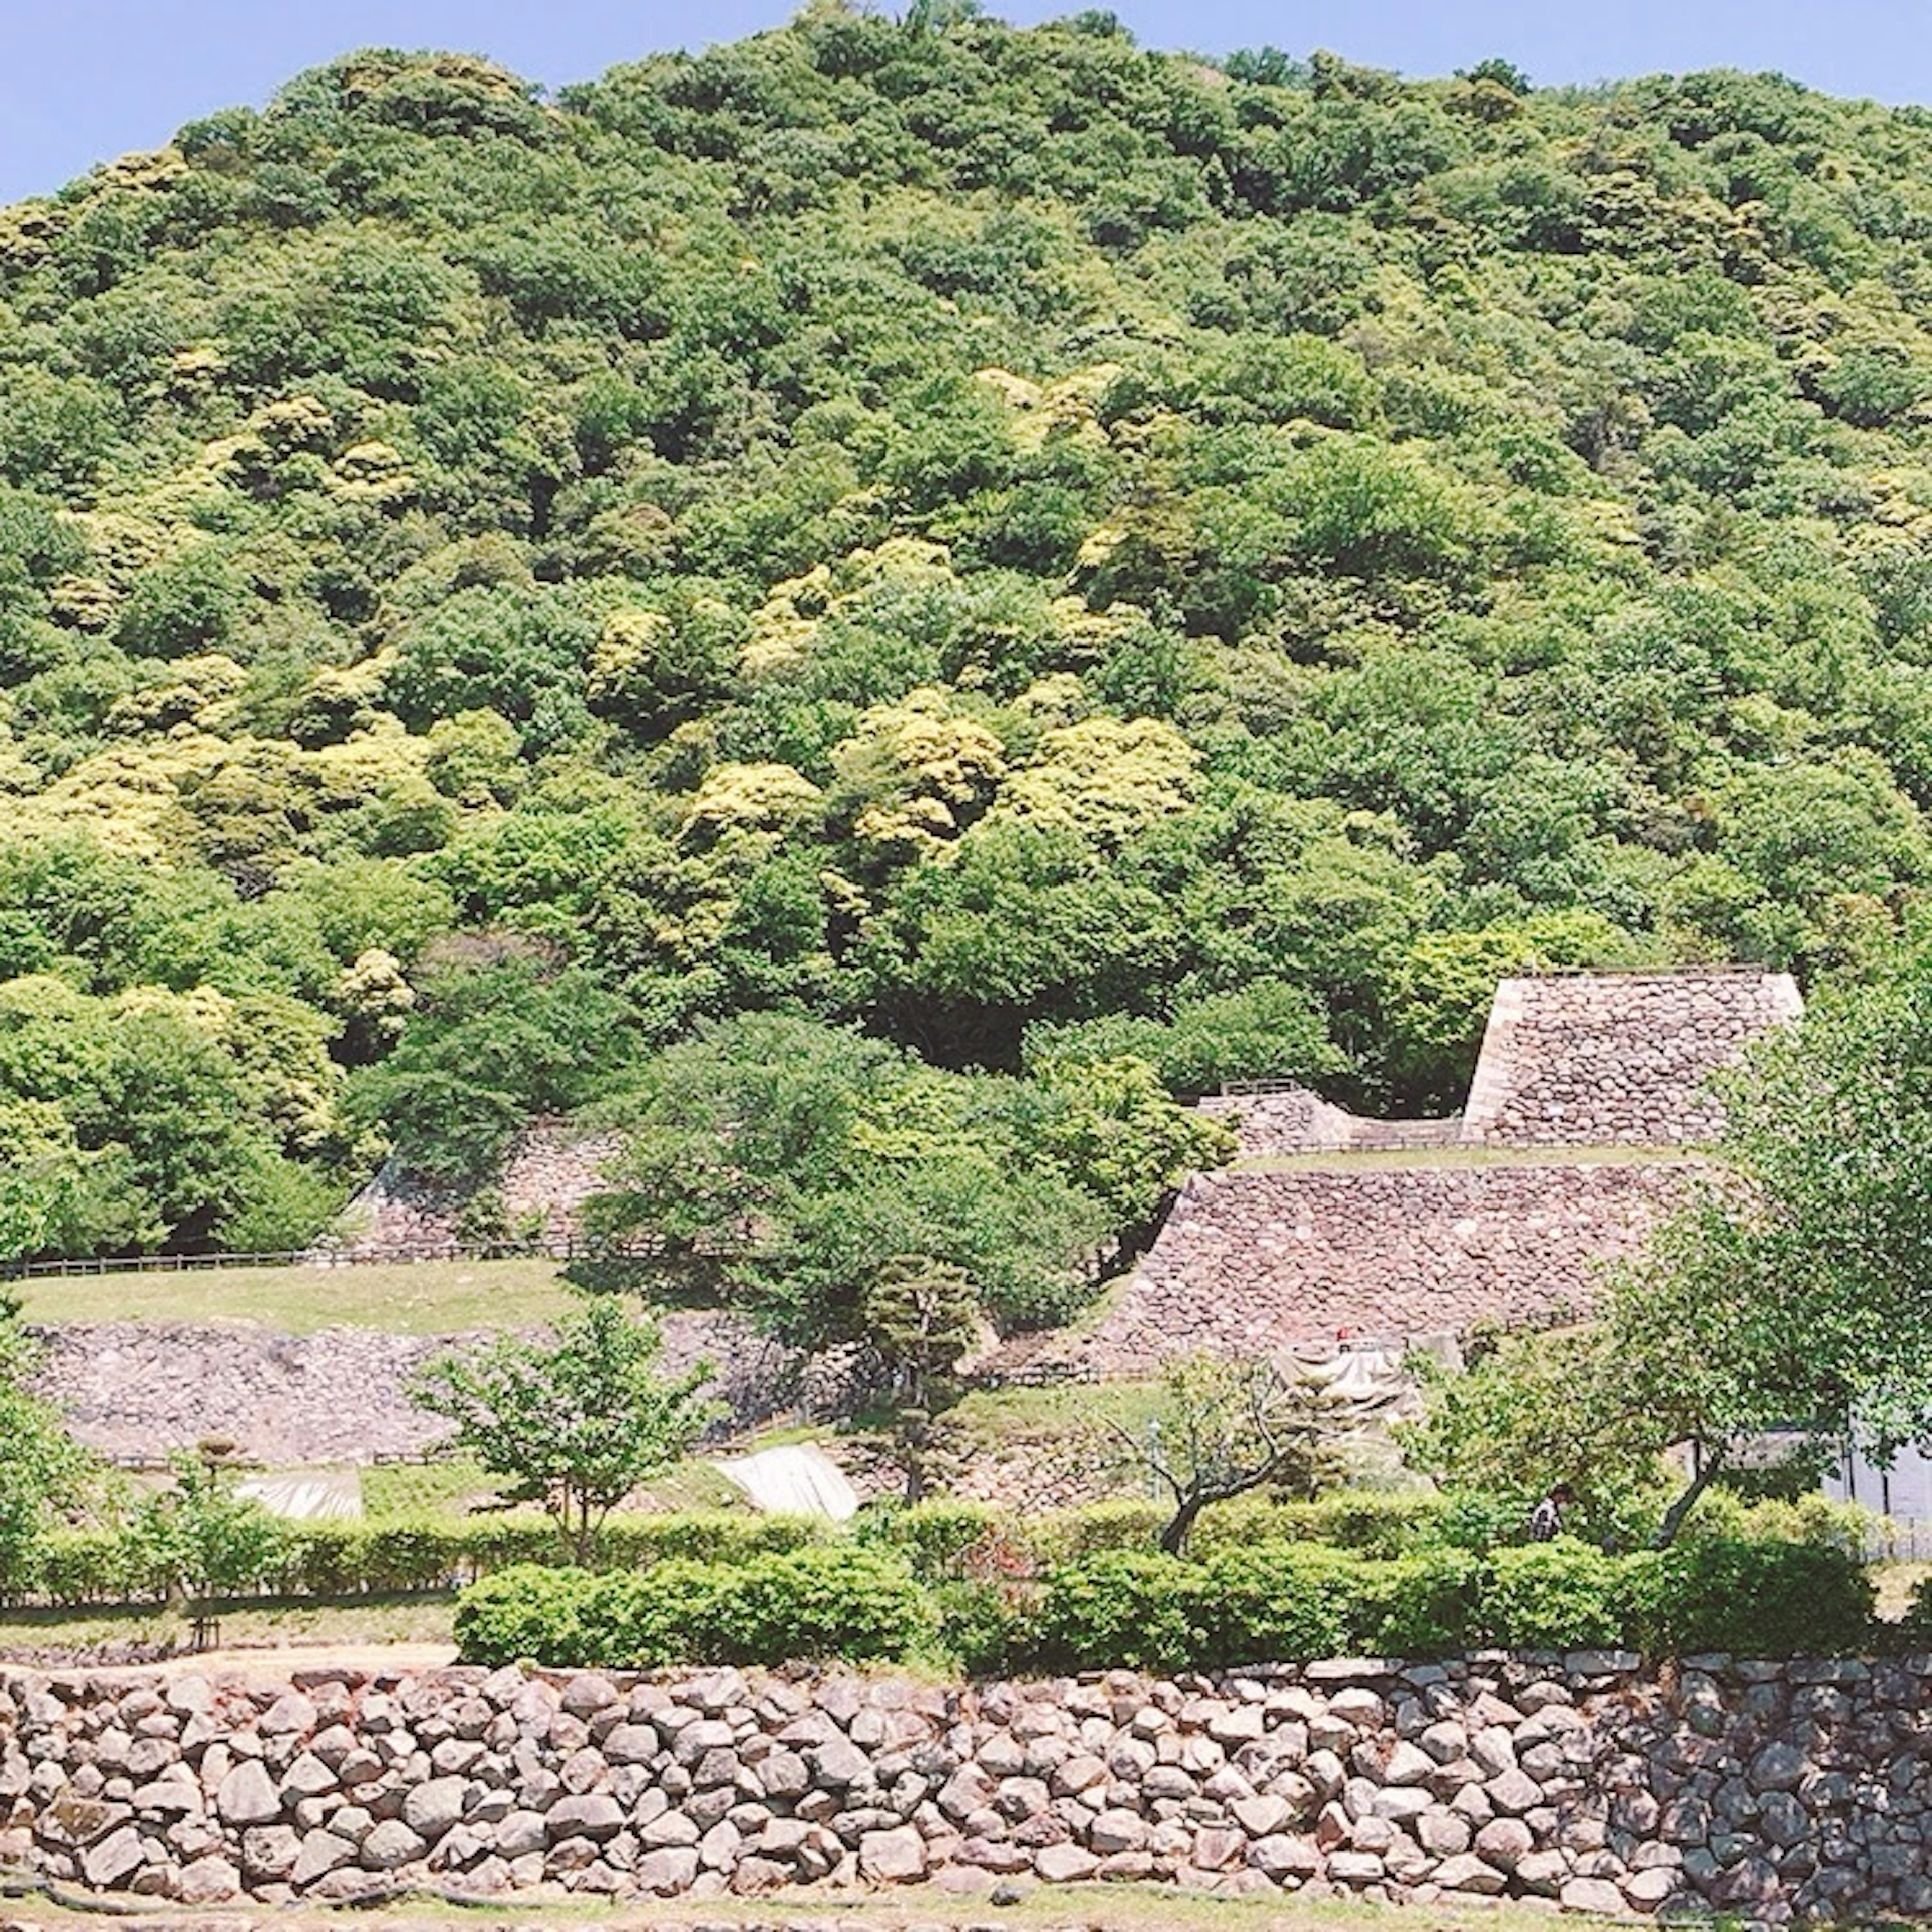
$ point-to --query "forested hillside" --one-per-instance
(1069, 572)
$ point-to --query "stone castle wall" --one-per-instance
(1600, 1059)
(1249, 1263)
(1767, 1791)
(1256, 1263)
(140, 1389)
(1568, 1060)
(551, 1169)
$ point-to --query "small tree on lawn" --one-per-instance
(1224, 1428)
(576, 1424)
(200, 1539)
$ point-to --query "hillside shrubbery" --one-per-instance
(1047, 555)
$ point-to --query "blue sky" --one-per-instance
(83, 80)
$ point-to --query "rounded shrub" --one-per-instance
(528, 1614)
(982, 1628)
(934, 1537)
(646, 1619)
(1278, 1602)
(1754, 1599)
(1422, 1605)
(1551, 1596)
(1130, 1609)
(855, 1603)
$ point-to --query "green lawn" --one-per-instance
(419, 1298)
(333, 1621)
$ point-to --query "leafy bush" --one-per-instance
(854, 1603)
(528, 1614)
(402, 1557)
(1135, 1609)
(1913, 1631)
(1424, 1605)
(934, 1538)
(1757, 1599)
(1369, 1523)
(1069, 1536)
(1551, 1596)
(810, 1606)
(1281, 1602)
(673, 1613)
(984, 1629)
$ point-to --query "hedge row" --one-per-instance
(349, 1559)
(942, 1542)
(1281, 1602)
(1294, 1601)
(816, 1603)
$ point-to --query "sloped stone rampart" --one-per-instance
(137, 1388)
(1254, 1263)
(1766, 1792)
(1598, 1059)
(550, 1171)
(1568, 1060)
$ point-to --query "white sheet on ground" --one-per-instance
(801, 1481)
(333, 1496)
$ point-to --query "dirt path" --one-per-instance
(1124, 1908)
(264, 1665)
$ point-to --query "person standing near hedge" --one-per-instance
(1546, 1520)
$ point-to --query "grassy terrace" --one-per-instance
(417, 1298)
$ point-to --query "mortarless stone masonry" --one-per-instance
(1251, 1263)
(1599, 1059)
(1568, 1060)
(1254, 1263)
(1766, 1792)
(549, 1172)
(341, 1395)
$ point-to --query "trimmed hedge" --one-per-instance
(1281, 1603)
(353, 1559)
(812, 1605)
(1289, 1602)
(1285, 1602)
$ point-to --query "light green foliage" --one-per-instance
(198, 1538)
(968, 532)
(44, 1474)
(1115, 1132)
(576, 1424)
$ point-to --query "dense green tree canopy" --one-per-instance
(996, 539)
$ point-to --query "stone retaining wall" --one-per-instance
(1594, 1059)
(1766, 1791)
(1254, 1263)
(138, 1388)
(551, 1169)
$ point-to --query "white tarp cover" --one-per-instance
(332, 1495)
(800, 1480)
